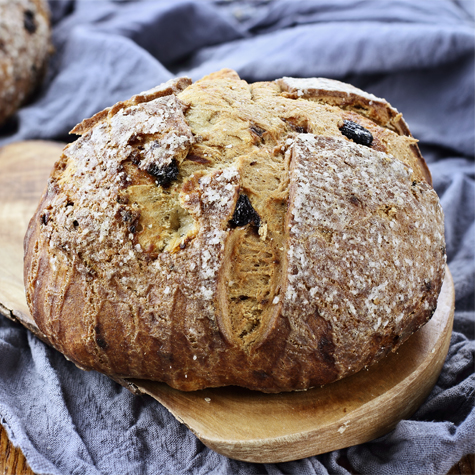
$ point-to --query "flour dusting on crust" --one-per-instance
(136, 265)
(311, 87)
(24, 49)
(361, 235)
(345, 95)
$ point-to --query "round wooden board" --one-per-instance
(242, 424)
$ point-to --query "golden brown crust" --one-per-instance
(356, 269)
(171, 87)
(338, 258)
(330, 91)
(24, 48)
(346, 96)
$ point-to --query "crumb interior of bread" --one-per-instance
(163, 225)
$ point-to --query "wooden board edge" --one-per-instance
(315, 442)
(305, 444)
(323, 440)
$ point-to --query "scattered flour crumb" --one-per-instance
(342, 428)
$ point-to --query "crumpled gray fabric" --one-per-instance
(419, 55)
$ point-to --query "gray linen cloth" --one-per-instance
(419, 55)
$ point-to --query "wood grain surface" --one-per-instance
(12, 460)
(256, 427)
(243, 424)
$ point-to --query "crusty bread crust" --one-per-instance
(346, 96)
(336, 257)
(171, 87)
(24, 48)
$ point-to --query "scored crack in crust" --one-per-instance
(24, 48)
(225, 233)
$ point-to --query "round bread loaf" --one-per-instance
(24, 48)
(276, 236)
